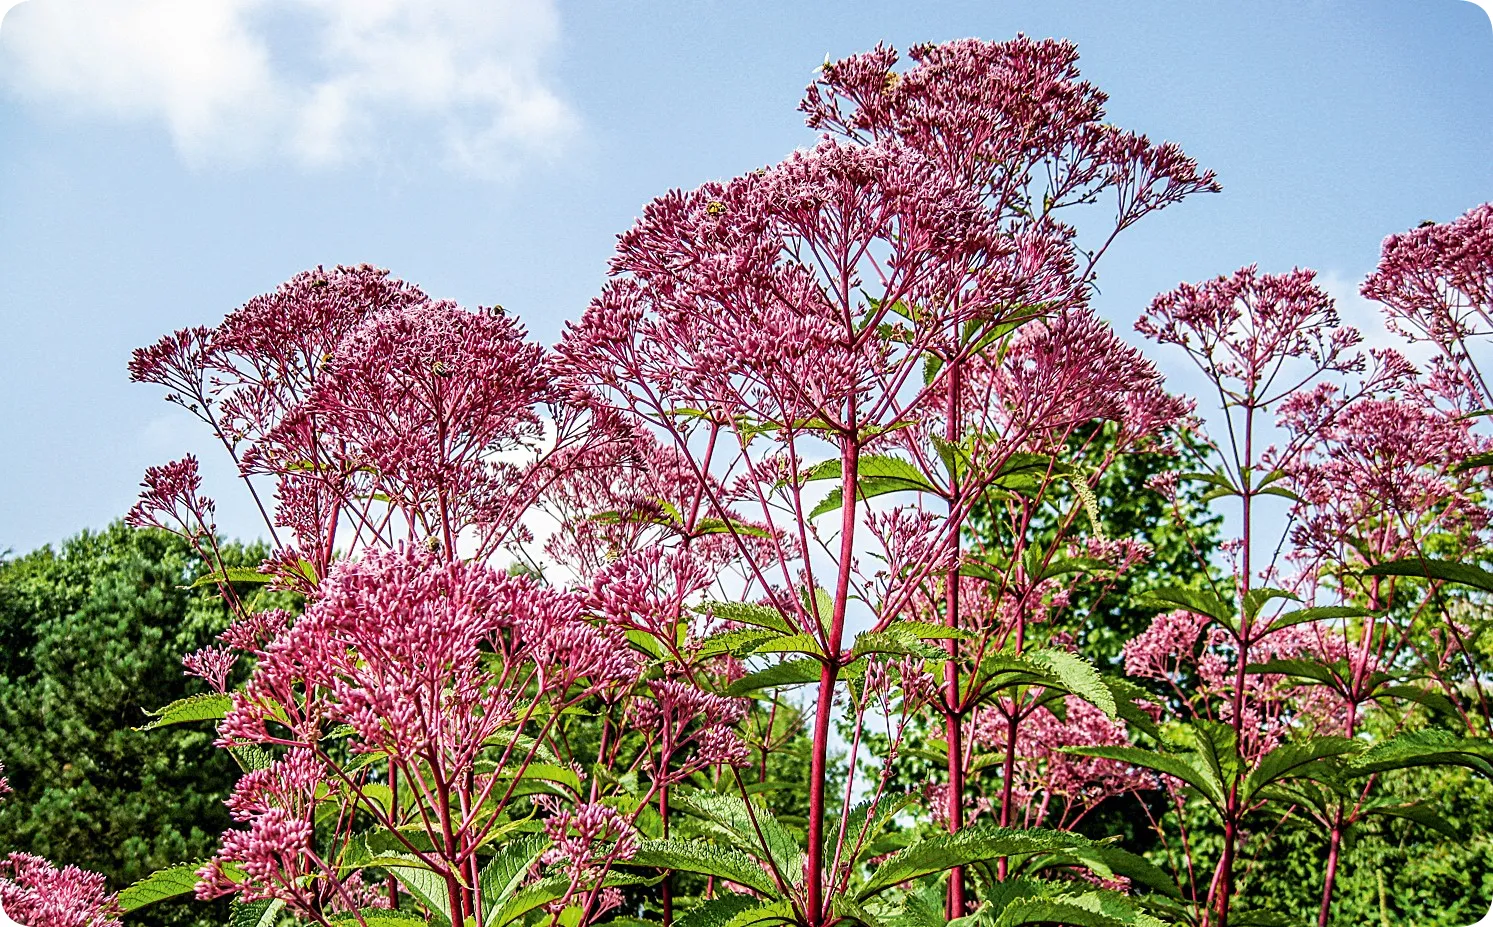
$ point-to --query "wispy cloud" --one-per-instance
(320, 82)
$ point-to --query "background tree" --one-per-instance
(93, 634)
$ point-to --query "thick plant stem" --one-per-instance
(954, 733)
(665, 888)
(954, 726)
(1008, 777)
(1333, 850)
(829, 675)
(394, 807)
(818, 768)
(1224, 884)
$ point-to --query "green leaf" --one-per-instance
(711, 525)
(1186, 768)
(536, 895)
(379, 917)
(791, 643)
(428, 888)
(1294, 759)
(893, 641)
(170, 882)
(1201, 602)
(863, 824)
(1474, 462)
(1309, 670)
(717, 912)
(875, 466)
(1078, 676)
(1417, 813)
(769, 914)
(1429, 747)
(705, 859)
(971, 845)
(506, 872)
(1316, 613)
(1446, 570)
(254, 914)
(778, 676)
(1427, 697)
(741, 826)
(928, 630)
(1257, 598)
(212, 706)
(758, 616)
(737, 643)
(233, 575)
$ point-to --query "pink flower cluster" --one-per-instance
(35, 893)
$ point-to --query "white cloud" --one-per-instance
(321, 82)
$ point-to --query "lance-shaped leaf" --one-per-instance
(717, 912)
(705, 859)
(1426, 568)
(778, 676)
(790, 643)
(1415, 812)
(758, 616)
(1199, 601)
(1316, 613)
(1294, 760)
(878, 467)
(1016, 902)
(1077, 677)
(894, 640)
(1429, 747)
(768, 914)
(427, 887)
(971, 845)
(547, 890)
(212, 706)
(864, 822)
(377, 917)
(754, 829)
(1189, 768)
(1260, 596)
(738, 643)
(255, 913)
(1308, 670)
(171, 882)
(233, 575)
(506, 872)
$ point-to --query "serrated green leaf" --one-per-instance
(778, 676)
(232, 575)
(212, 706)
(254, 913)
(1294, 759)
(1446, 570)
(705, 859)
(1429, 747)
(971, 845)
(1316, 613)
(506, 872)
(1197, 775)
(717, 912)
(759, 616)
(1201, 602)
(171, 882)
(1078, 676)
(754, 829)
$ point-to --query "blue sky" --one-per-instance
(161, 161)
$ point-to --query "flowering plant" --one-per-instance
(640, 628)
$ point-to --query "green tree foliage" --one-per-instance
(91, 636)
